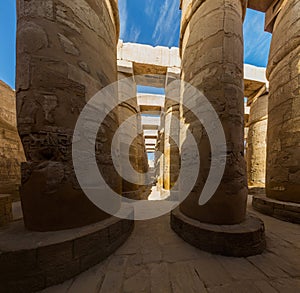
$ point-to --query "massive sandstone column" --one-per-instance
(128, 109)
(283, 73)
(212, 61)
(257, 141)
(159, 160)
(66, 52)
(11, 150)
(171, 150)
(172, 133)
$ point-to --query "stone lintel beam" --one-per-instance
(151, 100)
(271, 9)
(150, 127)
(152, 110)
(260, 5)
(125, 67)
(150, 74)
(254, 79)
(263, 90)
(150, 133)
(255, 73)
(172, 74)
(150, 137)
(149, 120)
(271, 15)
(146, 54)
(150, 141)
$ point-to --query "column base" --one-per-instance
(241, 240)
(286, 211)
(32, 261)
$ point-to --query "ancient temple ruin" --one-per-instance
(52, 232)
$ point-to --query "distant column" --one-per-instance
(160, 160)
(257, 141)
(172, 132)
(128, 109)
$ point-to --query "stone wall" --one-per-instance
(11, 150)
(5, 209)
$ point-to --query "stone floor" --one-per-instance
(155, 259)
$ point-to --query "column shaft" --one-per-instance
(256, 142)
(66, 53)
(212, 61)
(126, 110)
(283, 72)
(171, 150)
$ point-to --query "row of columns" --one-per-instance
(59, 67)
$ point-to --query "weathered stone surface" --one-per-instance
(5, 209)
(238, 240)
(172, 135)
(184, 268)
(11, 150)
(257, 142)
(283, 150)
(58, 71)
(159, 160)
(128, 108)
(212, 61)
(31, 261)
(287, 211)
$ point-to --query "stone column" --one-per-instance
(126, 110)
(66, 52)
(172, 133)
(283, 73)
(142, 160)
(212, 61)
(256, 141)
(11, 150)
(171, 150)
(159, 160)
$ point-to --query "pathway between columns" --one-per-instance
(155, 259)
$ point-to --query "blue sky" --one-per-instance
(154, 22)
(7, 41)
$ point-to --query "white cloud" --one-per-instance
(167, 23)
(123, 17)
(134, 34)
(149, 8)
